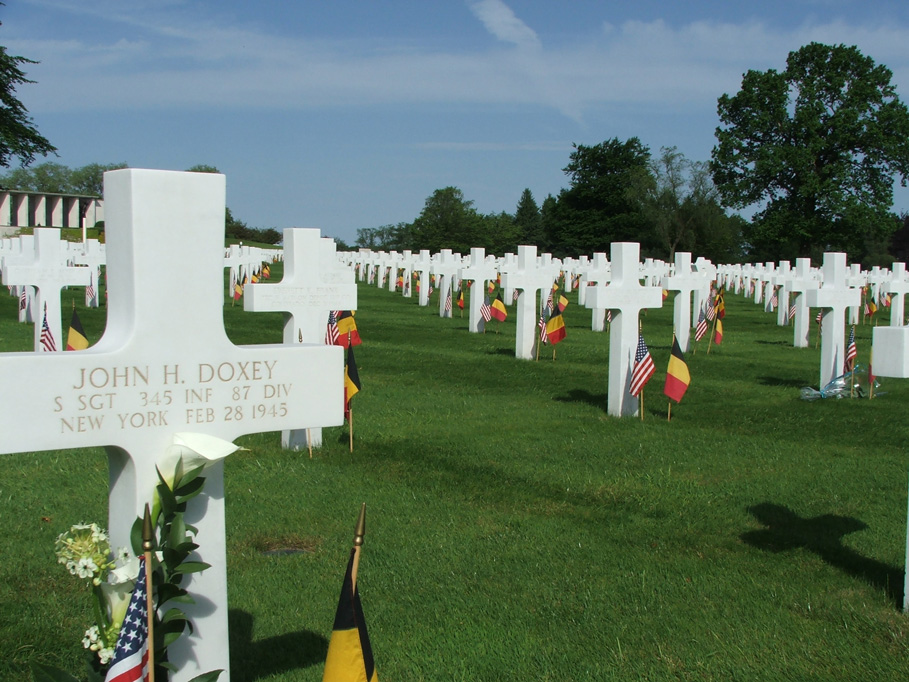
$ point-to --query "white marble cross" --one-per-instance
(779, 280)
(422, 266)
(708, 273)
(627, 298)
(528, 278)
(21, 253)
(897, 286)
(314, 283)
(445, 269)
(683, 281)
(834, 296)
(48, 273)
(479, 272)
(857, 280)
(91, 254)
(163, 366)
(799, 282)
(597, 272)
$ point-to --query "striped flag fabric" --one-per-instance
(486, 309)
(701, 328)
(775, 299)
(643, 367)
(347, 328)
(711, 308)
(90, 289)
(542, 327)
(23, 299)
(352, 383)
(331, 333)
(349, 656)
(47, 338)
(792, 310)
(448, 302)
(514, 296)
(718, 334)
(851, 352)
(130, 661)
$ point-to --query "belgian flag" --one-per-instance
(498, 308)
(76, 339)
(677, 376)
(351, 380)
(555, 327)
(349, 651)
(347, 325)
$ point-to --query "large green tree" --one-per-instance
(816, 147)
(19, 138)
(597, 208)
(55, 177)
(447, 221)
(529, 220)
(681, 207)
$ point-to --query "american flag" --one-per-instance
(47, 339)
(792, 310)
(851, 352)
(609, 317)
(514, 296)
(90, 289)
(485, 309)
(131, 654)
(544, 337)
(820, 316)
(331, 334)
(23, 300)
(711, 308)
(702, 326)
(774, 300)
(448, 302)
(643, 367)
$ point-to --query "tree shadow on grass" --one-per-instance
(502, 351)
(773, 343)
(823, 535)
(579, 395)
(256, 660)
(779, 381)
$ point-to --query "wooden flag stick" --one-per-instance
(641, 406)
(309, 441)
(716, 317)
(358, 544)
(669, 411)
(350, 424)
(147, 546)
(553, 353)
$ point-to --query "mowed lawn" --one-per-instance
(514, 530)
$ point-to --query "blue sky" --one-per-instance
(350, 113)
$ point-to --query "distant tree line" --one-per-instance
(616, 192)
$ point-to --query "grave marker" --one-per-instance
(165, 365)
(834, 296)
(314, 283)
(627, 298)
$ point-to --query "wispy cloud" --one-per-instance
(500, 21)
(182, 60)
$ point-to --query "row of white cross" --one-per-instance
(165, 365)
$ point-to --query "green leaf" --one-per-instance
(191, 567)
(170, 638)
(189, 489)
(48, 673)
(176, 534)
(135, 536)
(168, 502)
(210, 676)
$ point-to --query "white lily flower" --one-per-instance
(117, 597)
(195, 449)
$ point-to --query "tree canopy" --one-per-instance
(55, 177)
(19, 138)
(816, 147)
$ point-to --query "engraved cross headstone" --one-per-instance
(162, 368)
(800, 282)
(479, 272)
(897, 286)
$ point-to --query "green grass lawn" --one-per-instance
(514, 530)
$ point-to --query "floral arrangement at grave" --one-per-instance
(86, 552)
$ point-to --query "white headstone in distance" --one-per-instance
(422, 266)
(314, 283)
(91, 254)
(478, 273)
(684, 281)
(627, 298)
(48, 272)
(799, 282)
(528, 279)
(445, 269)
(161, 369)
(897, 287)
(834, 296)
(782, 291)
